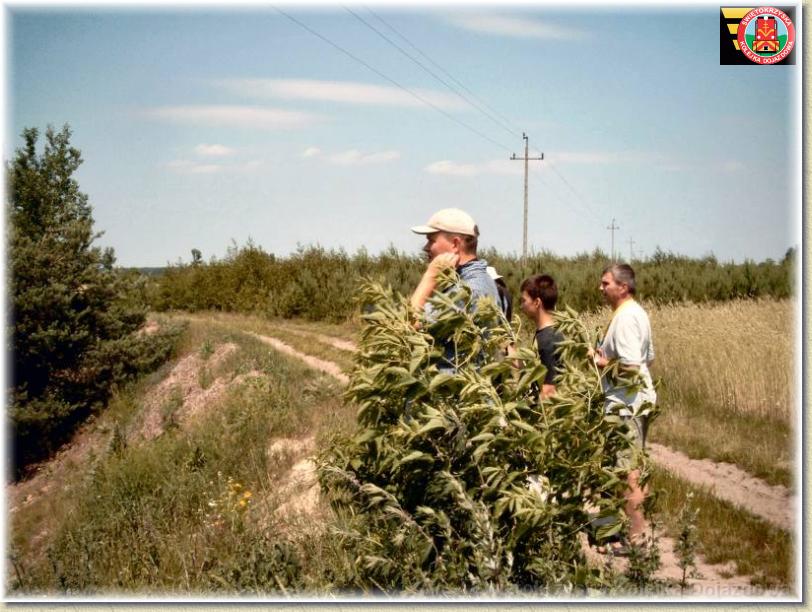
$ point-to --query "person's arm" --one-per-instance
(429, 280)
(547, 355)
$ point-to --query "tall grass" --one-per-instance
(737, 356)
(726, 375)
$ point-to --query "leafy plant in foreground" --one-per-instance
(461, 480)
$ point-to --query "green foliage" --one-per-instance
(461, 480)
(687, 543)
(644, 561)
(73, 314)
(318, 285)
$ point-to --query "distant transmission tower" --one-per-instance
(612, 228)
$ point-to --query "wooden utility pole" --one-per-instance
(612, 228)
(631, 250)
(526, 159)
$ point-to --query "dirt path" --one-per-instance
(344, 345)
(183, 386)
(328, 367)
(712, 581)
(773, 503)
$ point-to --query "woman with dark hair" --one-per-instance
(539, 296)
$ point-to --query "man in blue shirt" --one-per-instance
(451, 240)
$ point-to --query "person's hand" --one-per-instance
(600, 359)
(442, 261)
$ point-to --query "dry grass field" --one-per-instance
(728, 383)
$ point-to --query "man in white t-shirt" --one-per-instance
(628, 342)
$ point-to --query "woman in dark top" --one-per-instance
(539, 296)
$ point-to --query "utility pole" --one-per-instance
(631, 250)
(526, 159)
(613, 227)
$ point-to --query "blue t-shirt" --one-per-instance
(475, 276)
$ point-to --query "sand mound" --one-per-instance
(182, 387)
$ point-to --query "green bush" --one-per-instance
(319, 285)
(461, 481)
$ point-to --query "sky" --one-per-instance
(202, 127)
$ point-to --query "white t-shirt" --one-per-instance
(628, 340)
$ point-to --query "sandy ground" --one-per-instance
(299, 487)
(344, 345)
(773, 503)
(182, 385)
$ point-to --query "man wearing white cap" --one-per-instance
(451, 241)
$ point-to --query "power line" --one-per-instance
(495, 117)
(612, 228)
(393, 81)
(568, 202)
(577, 195)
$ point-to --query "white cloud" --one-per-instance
(346, 92)
(311, 152)
(496, 166)
(521, 27)
(452, 168)
(252, 117)
(353, 157)
(214, 150)
(504, 166)
(184, 166)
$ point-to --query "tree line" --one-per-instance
(319, 284)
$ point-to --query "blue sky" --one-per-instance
(201, 126)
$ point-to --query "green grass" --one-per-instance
(164, 516)
(728, 534)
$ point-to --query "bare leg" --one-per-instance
(634, 508)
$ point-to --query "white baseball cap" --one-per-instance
(493, 273)
(452, 220)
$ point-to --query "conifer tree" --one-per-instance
(72, 313)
